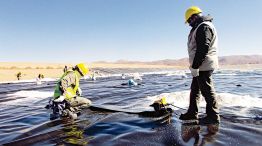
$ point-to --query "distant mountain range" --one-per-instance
(223, 60)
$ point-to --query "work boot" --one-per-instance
(188, 116)
(209, 120)
(72, 115)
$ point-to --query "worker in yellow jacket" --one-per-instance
(67, 88)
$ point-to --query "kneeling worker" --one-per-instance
(67, 90)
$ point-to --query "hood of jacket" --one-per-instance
(202, 19)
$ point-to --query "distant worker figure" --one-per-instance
(18, 75)
(203, 59)
(131, 82)
(41, 76)
(137, 76)
(123, 76)
(93, 77)
(39, 79)
(65, 68)
(67, 90)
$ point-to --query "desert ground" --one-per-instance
(8, 70)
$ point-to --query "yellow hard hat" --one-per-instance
(83, 68)
(163, 101)
(191, 11)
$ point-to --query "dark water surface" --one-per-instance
(25, 121)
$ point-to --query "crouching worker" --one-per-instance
(161, 106)
(67, 96)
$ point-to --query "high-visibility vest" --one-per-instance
(211, 59)
(70, 91)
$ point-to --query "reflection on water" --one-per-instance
(189, 132)
(209, 137)
(74, 135)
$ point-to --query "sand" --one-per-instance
(8, 70)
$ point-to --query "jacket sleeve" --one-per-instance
(68, 81)
(204, 37)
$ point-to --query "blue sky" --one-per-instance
(109, 30)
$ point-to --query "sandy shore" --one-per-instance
(9, 70)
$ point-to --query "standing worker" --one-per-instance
(203, 59)
(67, 89)
(65, 68)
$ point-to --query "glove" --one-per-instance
(79, 91)
(60, 99)
(194, 72)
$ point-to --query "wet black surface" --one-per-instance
(25, 121)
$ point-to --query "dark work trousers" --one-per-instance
(203, 84)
